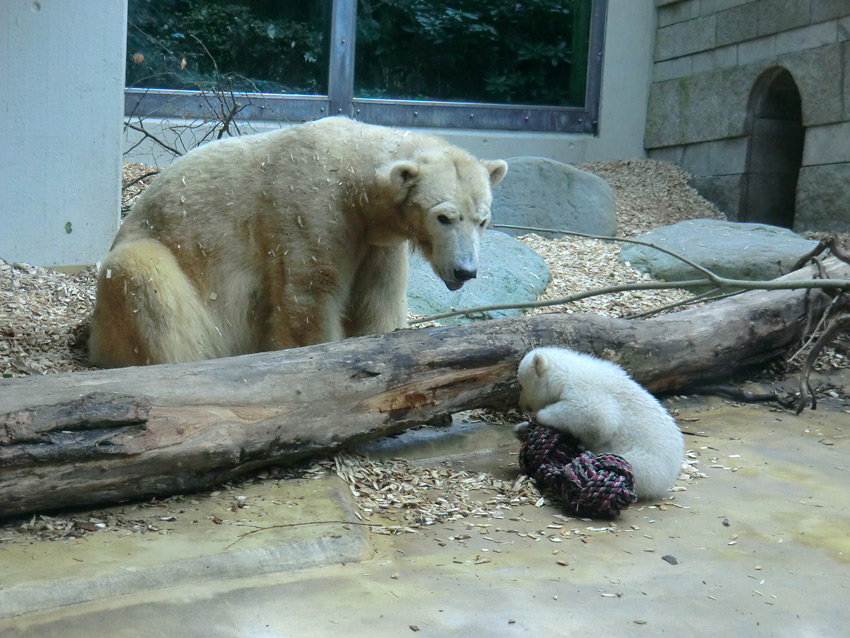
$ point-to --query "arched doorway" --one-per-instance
(775, 125)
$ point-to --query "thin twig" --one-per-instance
(736, 394)
(705, 271)
(830, 243)
(235, 107)
(710, 295)
(563, 300)
(839, 324)
(814, 252)
(140, 178)
(811, 334)
(302, 524)
(739, 285)
(141, 129)
(743, 284)
(134, 146)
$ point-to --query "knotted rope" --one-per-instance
(590, 485)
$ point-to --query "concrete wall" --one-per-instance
(61, 82)
(626, 75)
(709, 55)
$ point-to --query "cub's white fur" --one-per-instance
(597, 402)
(285, 239)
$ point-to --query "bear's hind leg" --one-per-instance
(147, 311)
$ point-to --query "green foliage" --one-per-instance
(504, 51)
(191, 44)
(468, 50)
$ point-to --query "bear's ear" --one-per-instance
(399, 177)
(402, 173)
(540, 364)
(497, 170)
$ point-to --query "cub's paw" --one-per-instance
(521, 430)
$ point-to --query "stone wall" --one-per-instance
(718, 78)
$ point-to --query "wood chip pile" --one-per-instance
(134, 180)
(42, 313)
(415, 496)
(648, 194)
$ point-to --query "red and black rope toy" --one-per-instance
(596, 486)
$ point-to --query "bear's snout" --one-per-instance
(465, 274)
(459, 277)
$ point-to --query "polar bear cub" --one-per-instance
(597, 402)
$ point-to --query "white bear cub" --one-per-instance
(601, 405)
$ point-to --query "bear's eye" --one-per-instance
(445, 221)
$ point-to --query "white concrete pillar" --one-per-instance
(61, 107)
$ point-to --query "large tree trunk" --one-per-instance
(88, 438)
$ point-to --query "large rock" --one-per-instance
(729, 249)
(509, 272)
(543, 193)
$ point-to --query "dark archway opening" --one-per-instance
(775, 124)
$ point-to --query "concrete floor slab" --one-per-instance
(760, 546)
(193, 546)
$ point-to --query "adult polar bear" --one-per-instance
(285, 239)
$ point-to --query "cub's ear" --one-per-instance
(497, 170)
(398, 177)
(540, 364)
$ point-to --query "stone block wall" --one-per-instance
(711, 57)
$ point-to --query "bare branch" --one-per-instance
(140, 178)
(838, 250)
(301, 524)
(710, 295)
(705, 271)
(141, 129)
(809, 333)
(814, 252)
(737, 285)
(839, 324)
(654, 285)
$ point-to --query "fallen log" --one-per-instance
(87, 438)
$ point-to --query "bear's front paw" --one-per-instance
(547, 418)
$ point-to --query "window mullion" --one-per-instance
(595, 55)
(341, 72)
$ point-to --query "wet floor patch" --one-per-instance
(269, 527)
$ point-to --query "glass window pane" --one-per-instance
(268, 46)
(530, 52)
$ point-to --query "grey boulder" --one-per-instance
(509, 272)
(729, 249)
(544, 193)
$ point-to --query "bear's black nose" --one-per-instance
(462, 274)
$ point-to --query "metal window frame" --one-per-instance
(167, 103)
